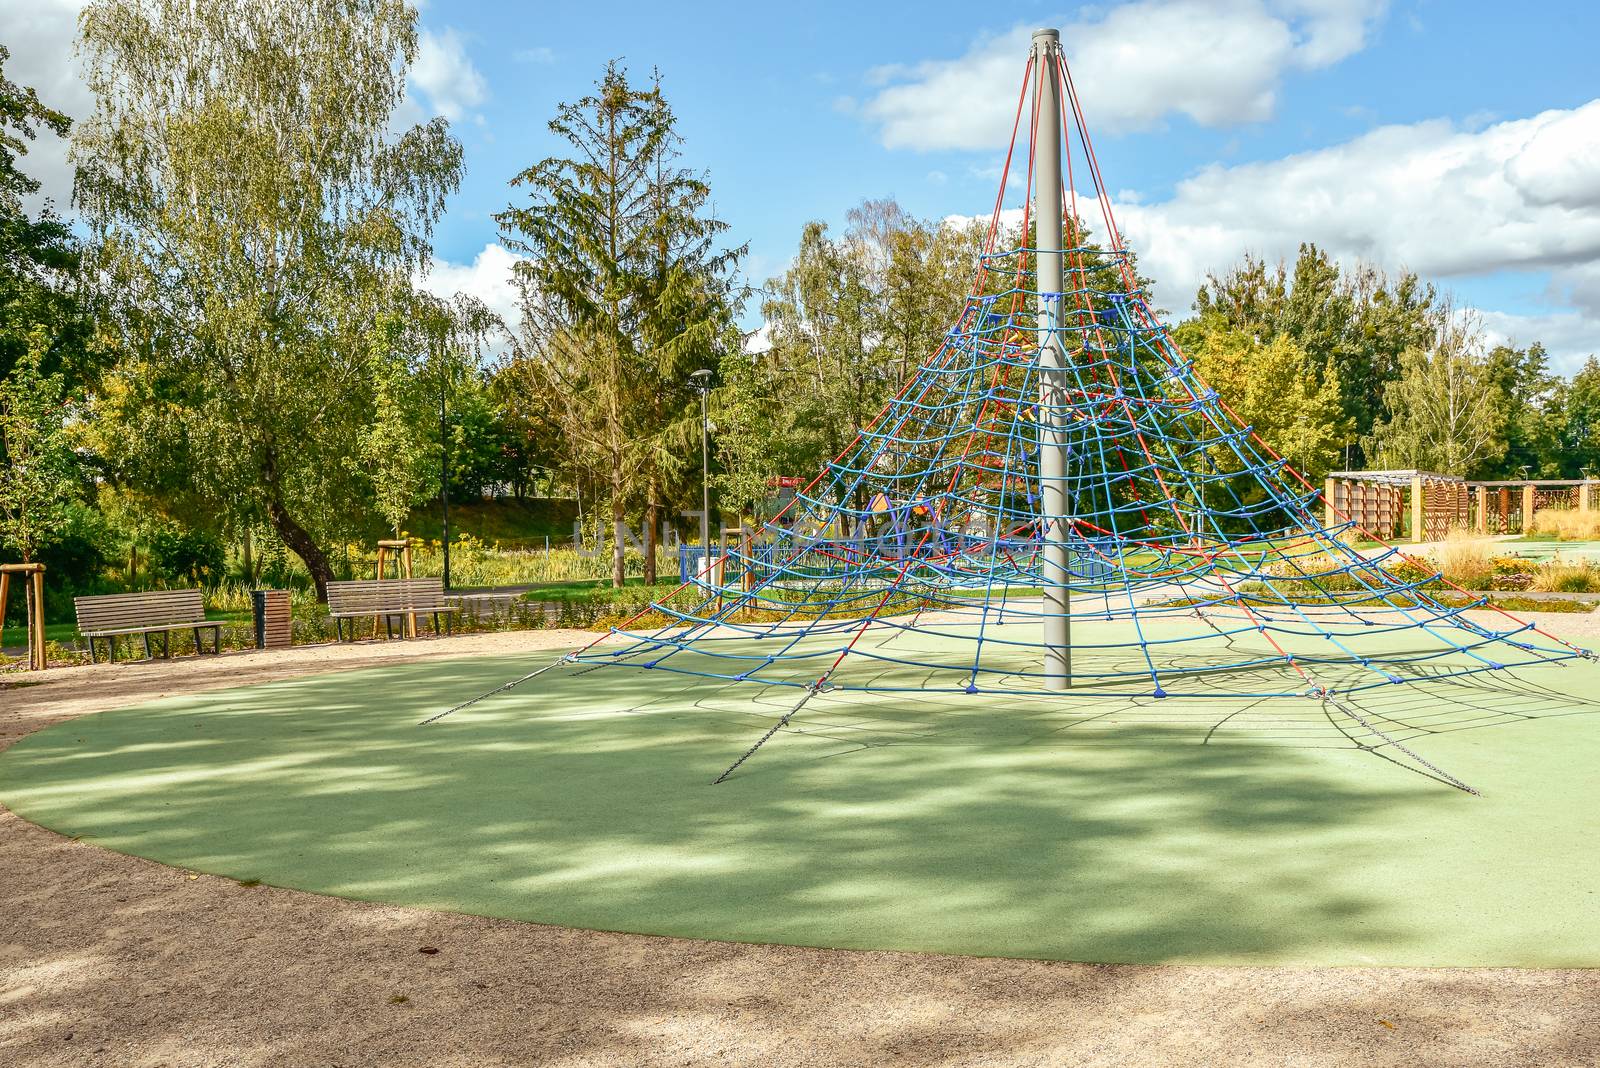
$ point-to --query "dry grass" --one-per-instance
(1467, 560)
(1566, 524)
(1566, 576)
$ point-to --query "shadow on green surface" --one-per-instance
(585, 801)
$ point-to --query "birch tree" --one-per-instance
(1445, 410)
(254, 213)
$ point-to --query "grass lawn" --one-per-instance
(512, 524)
(599, 590)
(55, 632)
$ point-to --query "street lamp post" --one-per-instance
(701, 380)
(444, 468)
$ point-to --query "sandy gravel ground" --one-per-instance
(115, 961)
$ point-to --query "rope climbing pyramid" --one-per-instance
(1056, 506)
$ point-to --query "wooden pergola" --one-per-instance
(1381, 502)
(1427, 505)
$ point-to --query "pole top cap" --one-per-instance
(1046, 31)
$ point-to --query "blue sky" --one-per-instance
(1455, 138)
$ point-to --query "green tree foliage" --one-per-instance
(689, 301)
(1575, 413)
(1446, 409)
(1527, 396)
(624, 291)
(1356, 323)
(190, 557)
(39, 480)
(38, 256)
(848, 323)
(44, 342)
(255, 217)
(1289, 399)
(425, 372)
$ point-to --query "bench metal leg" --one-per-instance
(148, 655)
(92, 658)
(111, 648)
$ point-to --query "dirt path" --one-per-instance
(115, 961)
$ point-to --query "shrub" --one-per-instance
(74, 558)
(193, 556)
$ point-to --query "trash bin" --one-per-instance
(271, 608)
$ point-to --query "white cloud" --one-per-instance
(1559, 166)
(1519, 195)
(488, 277)
(759, 341)
(1329, 30)
(1570, 336)
(445, 72)
(1219, 62)
(41, 36)
(1446, 202)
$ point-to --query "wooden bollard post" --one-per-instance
(33, 616)
(401, 547)
(1527, 508)
(1417, 522)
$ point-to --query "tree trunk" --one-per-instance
(652, 520)
(301, 544)
(619, 534)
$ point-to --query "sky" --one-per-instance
(1456, 138)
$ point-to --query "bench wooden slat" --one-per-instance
(381, 596)
(388, 598)
(111, 615)
(112, 611)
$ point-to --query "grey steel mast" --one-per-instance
(1055, 523)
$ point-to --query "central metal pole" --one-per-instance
(1054, 520)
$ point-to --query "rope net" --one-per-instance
(1198, 563)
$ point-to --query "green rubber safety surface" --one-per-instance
(1109, 830)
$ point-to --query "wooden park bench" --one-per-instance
(118, 615)
(388, 600)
